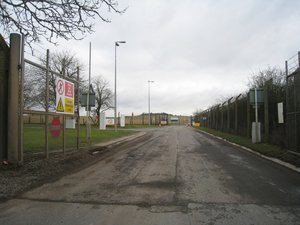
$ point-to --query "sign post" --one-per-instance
(256, 99)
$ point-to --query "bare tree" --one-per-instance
(196, 114)
(103, 94)
(197, 111)
(64, 63)
(32, 89)
(271, 74)
(67, 19)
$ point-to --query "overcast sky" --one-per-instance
(194, 51)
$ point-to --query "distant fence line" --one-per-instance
(142, 119)
(236, 114)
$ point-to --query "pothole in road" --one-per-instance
(156, 184)
(135, 156)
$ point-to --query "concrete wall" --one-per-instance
(4, 65)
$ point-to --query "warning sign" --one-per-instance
(60, 107)
(69, 105)
(64, 96)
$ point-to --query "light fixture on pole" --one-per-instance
(149, 118)
(117, 43)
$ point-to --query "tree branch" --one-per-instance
(50, 19)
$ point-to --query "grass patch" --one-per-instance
(34, 140)
(263, 148)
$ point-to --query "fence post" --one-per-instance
(222, 118)
(64, 116)
(47, 106)
(4, 66)
(212, 117)
(208, 118)
(13, 100)
(228, 115)
(236, 115)
(21, 100)
(248, 116)
(297, 108)
(217, 118)
(78, 113)
(266, 109)
(287, 103)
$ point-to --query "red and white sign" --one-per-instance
(69, 89)
(110, 121)
(64, 96)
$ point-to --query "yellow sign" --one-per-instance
(69, 105)
(60, 107)
(197, 124)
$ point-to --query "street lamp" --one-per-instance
(149, 119)
(117, 43)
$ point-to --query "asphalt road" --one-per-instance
(172, 175)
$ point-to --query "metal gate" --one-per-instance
(293, 102)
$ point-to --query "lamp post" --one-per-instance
(149, 118)
(117, 43)
(88, 111)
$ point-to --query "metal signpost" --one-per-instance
(256, 99)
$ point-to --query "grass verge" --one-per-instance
(34, 140)
(263, 148)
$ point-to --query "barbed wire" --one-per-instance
(295, 55)
(292, 63)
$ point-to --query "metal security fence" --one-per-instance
(230, 116)
(293, 102)
(55, 131)
(236, 114)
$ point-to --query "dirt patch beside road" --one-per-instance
(38, 170)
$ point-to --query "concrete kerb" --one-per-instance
(278, 161)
